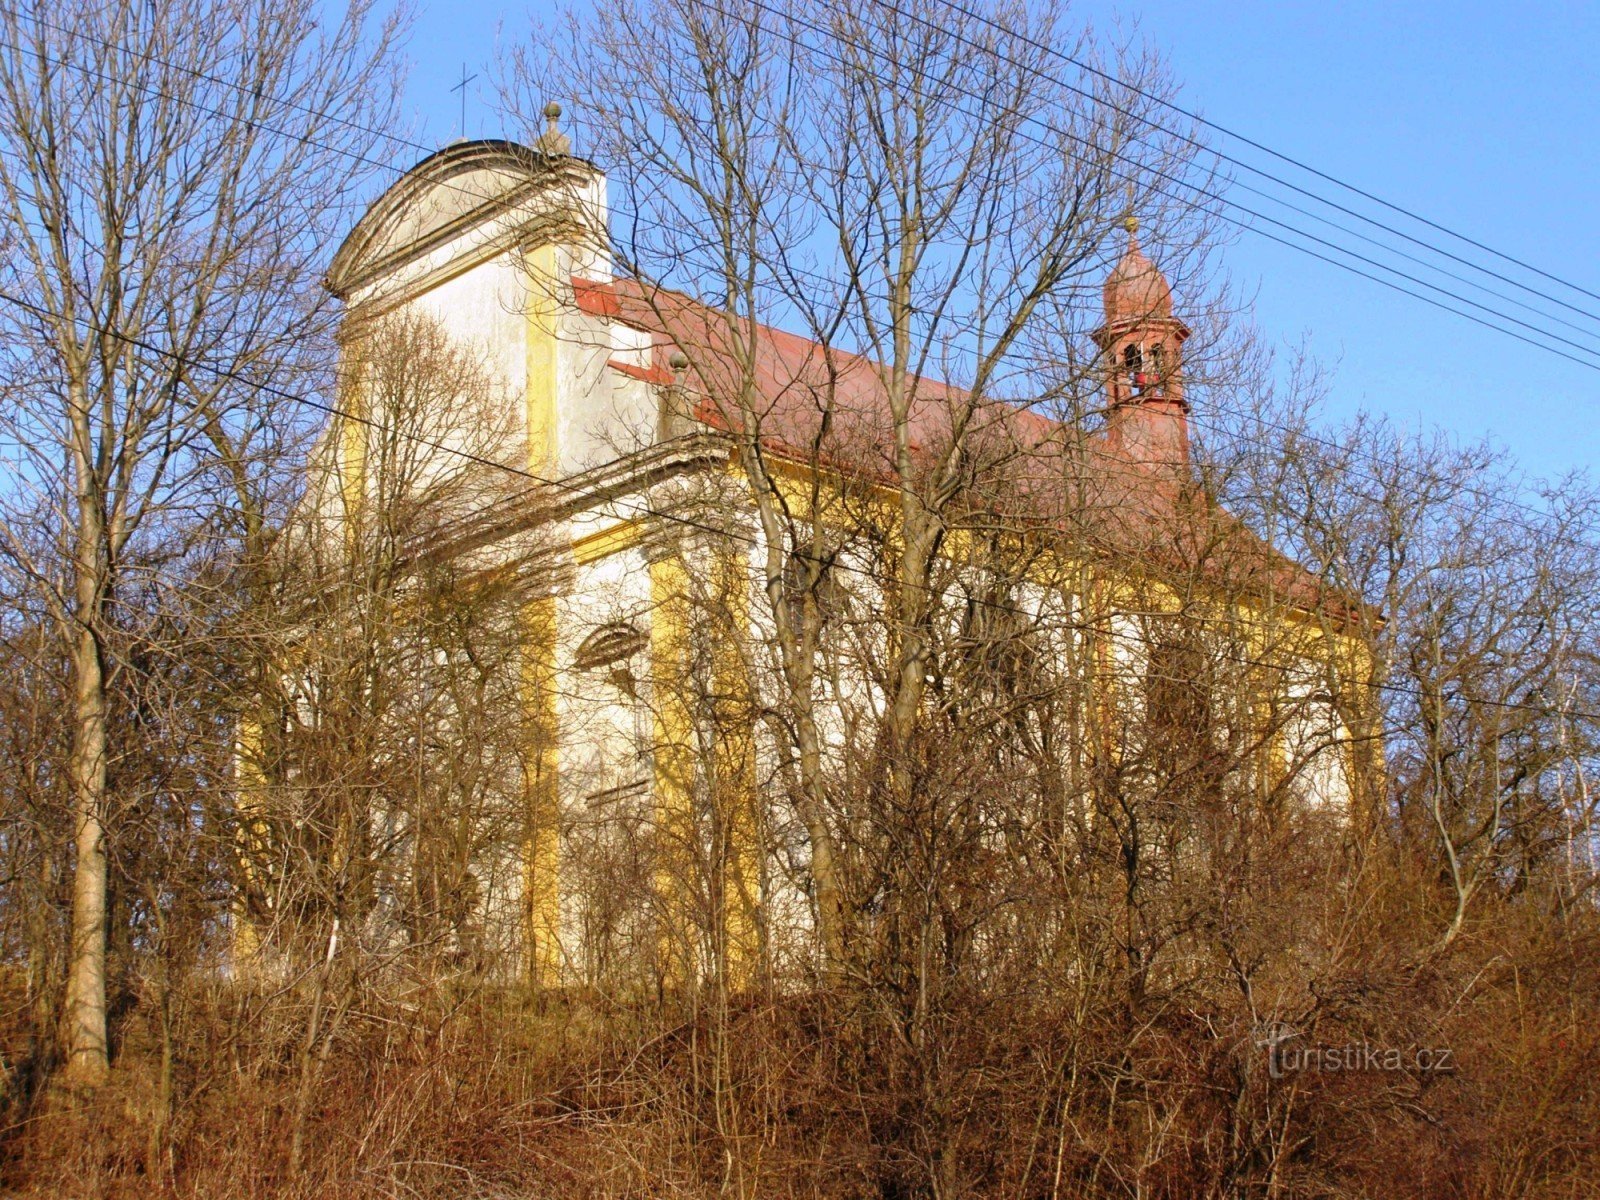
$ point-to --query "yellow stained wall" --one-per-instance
(1275, 636)
(542, 854)
(680, 763)
(539, 266)
(1276, 631)
(716, 610)
(674, 755)
(352, 465)
(542, 848)
(734, 798)
(707, 887)
(250, 837)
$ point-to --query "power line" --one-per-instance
(1262, 233)
(700, 526)
(954, 5)
(335, 411)
(1121, 158)
(395, 139)
(1217, 198)
(1294, 162)
(485, 197)
(1210, 150)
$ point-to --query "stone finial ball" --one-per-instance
(678, 361)
(552, 111)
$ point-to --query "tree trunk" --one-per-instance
(86, 1041)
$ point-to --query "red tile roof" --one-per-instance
(813, 403)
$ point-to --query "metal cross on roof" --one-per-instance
(462, 88)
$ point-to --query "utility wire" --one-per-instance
(1122, 158)
(1136, 116)
(1214, 152)
(1266, 195)
(483, 197)
(1190, 115)
(335, 411)
(1187, 187)
(676, 518)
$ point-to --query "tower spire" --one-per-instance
(1142, 344)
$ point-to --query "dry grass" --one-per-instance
(816, 1096)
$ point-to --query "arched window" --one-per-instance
(610, 650)
(1158, 362)
(1133, 365)
(607, 645)
(617, 730)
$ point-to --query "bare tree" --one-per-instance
(1033, 761)
(162, 212)
(382, 819)
(1480, 626)
(922, 194)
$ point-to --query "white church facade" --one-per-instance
(643, 568)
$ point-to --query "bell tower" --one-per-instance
(1141, 344)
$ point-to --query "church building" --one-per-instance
(654, 787)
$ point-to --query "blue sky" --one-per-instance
(1481, 117)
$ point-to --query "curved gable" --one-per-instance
(444, 195)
